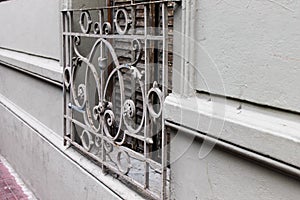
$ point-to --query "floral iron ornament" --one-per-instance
(123, 131)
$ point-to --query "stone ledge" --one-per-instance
(44, 68)
(272, 133)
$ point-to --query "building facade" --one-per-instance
(208, 103)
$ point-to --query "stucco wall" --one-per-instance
(246, 49)
(37, 97)
(31, 26)
(224, 176)
(47, 171)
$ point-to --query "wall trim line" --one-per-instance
(247, 154)
(43, 68)
(270, 132)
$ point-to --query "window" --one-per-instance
(116, 61)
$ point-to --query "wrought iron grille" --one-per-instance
(116, 68)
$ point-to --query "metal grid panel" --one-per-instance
(113, 99)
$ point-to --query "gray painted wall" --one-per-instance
(245, 49)
(31, 26)
(49, 173)
(37, 97)
(247, 46)
(224, 176)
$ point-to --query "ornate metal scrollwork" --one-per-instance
(85, 22)
(137, 51)
(129, 108)
(155, 92)
(126, 157)
(67, 76)
(106, 28)
(87, 140)
(128, 21)
(113, 101)
(97, 28)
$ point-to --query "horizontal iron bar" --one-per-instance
(157, 166)
(115, 170)
(140, 37)
(142, 138)
(81, 125)
(120, 6)
(73, 107)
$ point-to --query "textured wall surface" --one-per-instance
(252, 46)
(223, 176)
(246, 50)
(46, 170)
(243, 49)
(39, 98)
(31, 26)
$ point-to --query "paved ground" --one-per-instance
(11, 187)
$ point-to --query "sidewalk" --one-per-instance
(11, 186)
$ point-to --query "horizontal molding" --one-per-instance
(40, 67)
(260, 159)
(117, 189)
(271, 133)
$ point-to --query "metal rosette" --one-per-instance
(98, 141)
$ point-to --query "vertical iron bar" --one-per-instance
(156, 16)
(63, 63)
(183, 48)
(67, 64)
(101, 55)
(102, 77)
(146, 128)
(133, 82)
(70, 16)
(165, 92)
